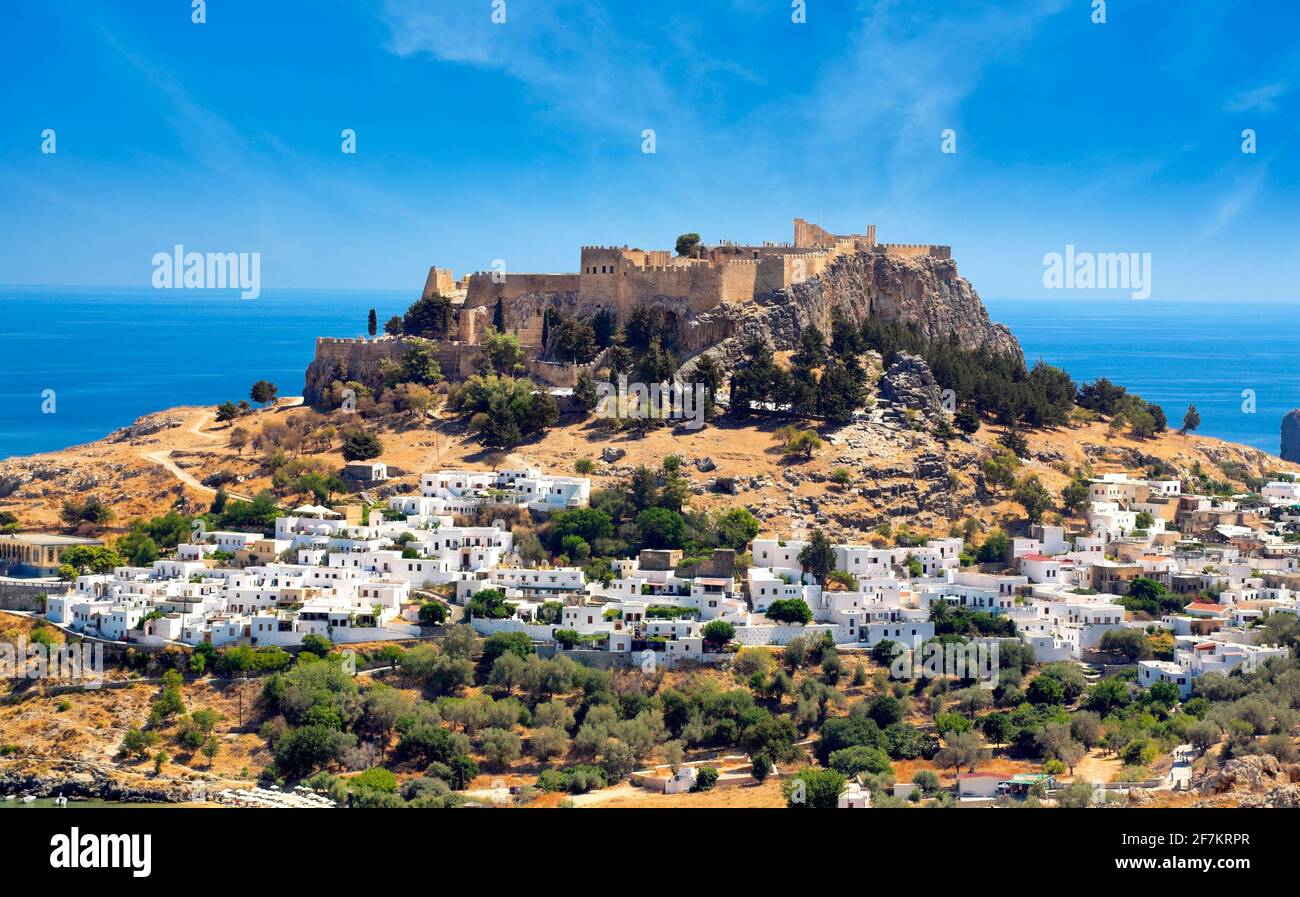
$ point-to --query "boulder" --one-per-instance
(724, 485)
(610, 454)
(1253, 773)
(1284, 797)
(146, 426)
(1140, 796)
(909, 383)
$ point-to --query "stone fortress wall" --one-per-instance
(483, 288)
(703, 294)
(623, 277)
(361, 358)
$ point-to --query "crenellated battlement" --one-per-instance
(911, 250)
(342, 340)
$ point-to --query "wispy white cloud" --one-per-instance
(568, 51)
(1260, 99)
(908, 70)
(204, 135)
(901, 79)
(1235, 195)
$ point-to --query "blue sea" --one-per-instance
(1174, 354)
(113, 354)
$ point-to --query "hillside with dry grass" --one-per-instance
(891, 473)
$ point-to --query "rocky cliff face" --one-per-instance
(348, 360)
(1291, 436)
(926, 290)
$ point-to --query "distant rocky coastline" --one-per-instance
(91, 784)
(1290, 450)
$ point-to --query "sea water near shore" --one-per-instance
(1174, 354)
(112, 354)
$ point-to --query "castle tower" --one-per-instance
(811, 236)
(440, 281)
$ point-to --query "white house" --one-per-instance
(854, 796)
(1152, 671)
(978, 784)
(366, 471)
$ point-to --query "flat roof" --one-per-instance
(49, 539)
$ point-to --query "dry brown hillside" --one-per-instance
(896, 474)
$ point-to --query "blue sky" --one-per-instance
(522, 141)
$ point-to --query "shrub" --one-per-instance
(790, 610)
(137, 742)
(499, 643)
(574, 779)
(361, 446)
(813, 788)
(705, 778)
(375, 779)
(718, 632)
(853, 760)
(500, 746)
(547, 742)
(433, 612)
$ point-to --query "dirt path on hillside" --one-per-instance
(196, 426)
(162, 457)
(745, 465)
(1097, 767)
(164, 460)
